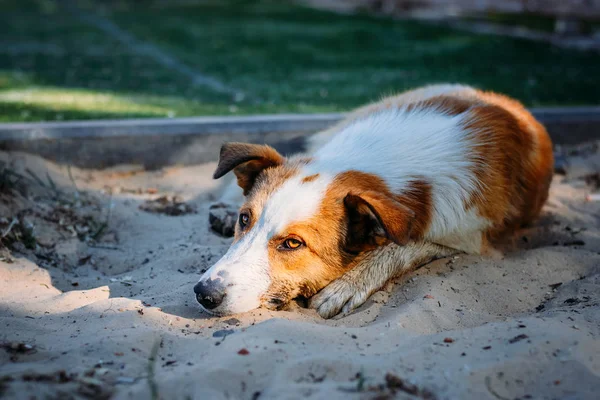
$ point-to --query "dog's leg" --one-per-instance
(222, 214)
(371, 272)
(472, 243)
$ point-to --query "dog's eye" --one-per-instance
(291, 244)
(244, 219)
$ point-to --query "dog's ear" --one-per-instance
(373, 219)
(247, 161)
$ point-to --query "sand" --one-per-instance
(102, 305)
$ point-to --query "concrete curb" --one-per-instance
(167, 126)
(159, 142)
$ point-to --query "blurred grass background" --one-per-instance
(271, 56)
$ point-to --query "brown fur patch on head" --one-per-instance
(247, 161)
(358, 213)
(304, 271)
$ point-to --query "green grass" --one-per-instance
(276, 56)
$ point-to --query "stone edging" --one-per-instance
(166, 141)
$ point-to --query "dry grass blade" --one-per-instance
(102, 227)
(10, 226)
(35, 177)
(151, 366)
(77, 194)
(51, 182)
(10, 180)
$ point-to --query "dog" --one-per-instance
(425, 174)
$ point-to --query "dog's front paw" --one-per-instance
(222, 218)
(340, 295)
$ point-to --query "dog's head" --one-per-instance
(300, 228)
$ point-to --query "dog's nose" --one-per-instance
(209, 294)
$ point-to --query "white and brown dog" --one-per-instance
(425, 174)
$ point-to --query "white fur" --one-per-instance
(294, 201)
(427, 92)
(244, 271)
(320, 139)
(466, 235)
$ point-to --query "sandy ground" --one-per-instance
(101, 304)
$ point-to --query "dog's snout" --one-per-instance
(209, 294)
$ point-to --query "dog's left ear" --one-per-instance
(374, 218)
(247, 161)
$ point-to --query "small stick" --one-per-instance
(99, 246)
(73, 181)
(12, 223)
(151, 365)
